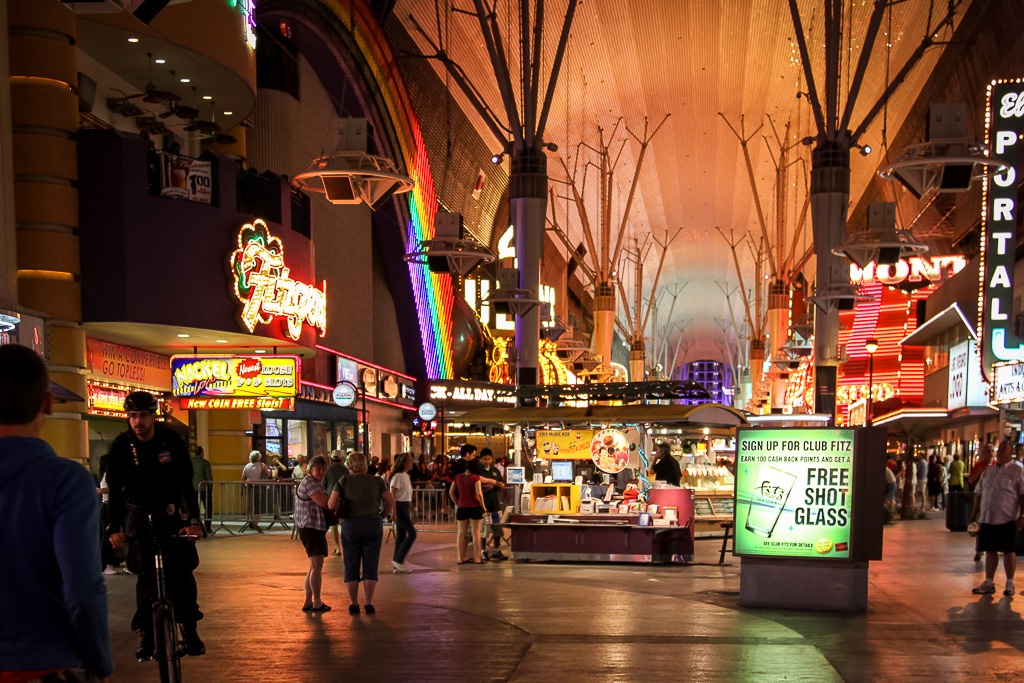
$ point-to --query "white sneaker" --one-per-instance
(109, 570)
(1010, 588)
(400, 568)
(986, 588)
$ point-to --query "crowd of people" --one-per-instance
(350, 497)
(933, 476)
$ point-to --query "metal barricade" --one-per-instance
(432, 509)
(249, 504)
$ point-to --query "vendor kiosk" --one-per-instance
(561, 520)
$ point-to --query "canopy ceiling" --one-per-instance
(692, 60)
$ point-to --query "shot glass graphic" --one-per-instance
(768, 499)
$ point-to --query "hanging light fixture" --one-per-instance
(509, 297)
(881, 242)
(948, 161)
(350, 175)
(449, 251)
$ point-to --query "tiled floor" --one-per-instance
(564, 623)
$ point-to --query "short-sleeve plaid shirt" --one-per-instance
(309, 515)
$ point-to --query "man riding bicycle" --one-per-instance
(150, 477)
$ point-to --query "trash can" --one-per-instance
(959, 506)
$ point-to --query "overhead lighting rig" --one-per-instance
(449, 251)
(352, 176)
(508, 297)
(948, 161)
(881, 242)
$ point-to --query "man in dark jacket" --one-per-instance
(53, 607)
(150, 477)
(666, 467)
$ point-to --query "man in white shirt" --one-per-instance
(999, 509)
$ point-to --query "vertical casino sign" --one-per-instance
(1004, 126)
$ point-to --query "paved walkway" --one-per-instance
(526, 622)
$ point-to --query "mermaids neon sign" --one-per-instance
(261, 283)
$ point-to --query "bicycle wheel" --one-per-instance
(165, 638)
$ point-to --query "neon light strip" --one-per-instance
(362, 362)
(433, 293)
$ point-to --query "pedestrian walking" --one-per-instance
(405, 530)
(999, 510)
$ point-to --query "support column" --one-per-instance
(227, 444)
(604, 322)
(8, 243)
(528, 185)
(778, 333)
(44, 120)
(637, 362)
(830, 201)
(757, 371)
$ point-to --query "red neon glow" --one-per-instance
(888, 319)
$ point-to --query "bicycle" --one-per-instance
(165, 628)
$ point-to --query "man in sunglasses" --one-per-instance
(150, 477)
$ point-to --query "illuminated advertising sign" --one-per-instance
(476, 290)
(967, 389)
(1005, 124)
(105, 400)
(562, 444)
(794, 492)
(1008, 382)
(255, 403)
(847, 394)
(474, 392)
(347, 370)
(234, 377)
(120, 363)
(261, 283)
(915, 269)
(858, 413)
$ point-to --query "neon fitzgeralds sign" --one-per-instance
(1004, 124)
(261, 284)
(914, 269)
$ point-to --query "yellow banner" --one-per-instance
(565, 444)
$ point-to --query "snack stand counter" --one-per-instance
(597, 538)
(661, 532)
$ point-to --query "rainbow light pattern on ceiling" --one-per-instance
(434, 293)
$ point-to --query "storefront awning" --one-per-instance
(711, 414)
(944, 321)
(62, 394)
(911, 414)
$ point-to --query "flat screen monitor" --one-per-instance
(561, 470)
